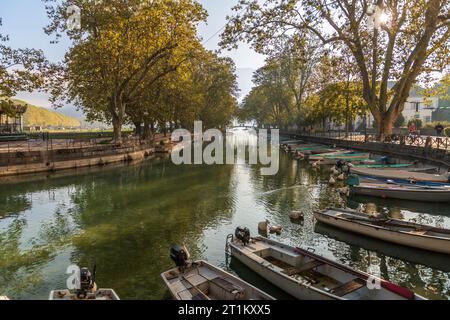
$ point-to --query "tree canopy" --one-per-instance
(135, 61)
(402, 41)
(20, 70)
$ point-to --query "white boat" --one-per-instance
(400, 174)
(308, 276)
(86, 290)
(101, 294)
(403, 192)
(203, 281)
(391, 230)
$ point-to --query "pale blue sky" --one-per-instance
(23, 21)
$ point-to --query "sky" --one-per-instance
(24, 20)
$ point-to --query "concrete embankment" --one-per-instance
(29, 162)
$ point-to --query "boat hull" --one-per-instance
(399, 174)
(413, 194)
(219, 284)
(410, 240)
(281, 281)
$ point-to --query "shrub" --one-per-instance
(447, 131)
(417, 122)
(432, 125)
(400, 122)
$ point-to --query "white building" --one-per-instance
(418, 107)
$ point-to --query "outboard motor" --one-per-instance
(344, 166)
(87, 282)
(243, 234)
(180, 255)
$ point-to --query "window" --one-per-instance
(428, 119)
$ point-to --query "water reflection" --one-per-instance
(124, 219)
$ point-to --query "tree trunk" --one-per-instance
(148, 131)
(117, 125)
(117, 110)
(385, 127)
(138, 128)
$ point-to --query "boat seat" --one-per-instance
(199, 297)
(310, 265)
(348, 287)
(226, 285)
(418, 232)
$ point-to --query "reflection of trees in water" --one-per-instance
(297, 186)
(131, 219)
(13, 204)
(124, 220)
(19, 269)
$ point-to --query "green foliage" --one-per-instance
(447, 132)
(432, 125)
(410, 47)
(417, 122)
(122, 53)
(20, 69)
(400, 122)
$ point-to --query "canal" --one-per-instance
(124, 220)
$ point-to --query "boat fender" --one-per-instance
(353, 180)
(405, 293)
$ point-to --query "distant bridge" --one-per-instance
(244, 127)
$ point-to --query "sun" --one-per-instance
(383, 18)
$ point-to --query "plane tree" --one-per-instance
(390, 40)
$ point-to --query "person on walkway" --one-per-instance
(412, 129)
(439, 129)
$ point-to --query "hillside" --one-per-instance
(37, 116)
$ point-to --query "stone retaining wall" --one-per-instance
(56, 160)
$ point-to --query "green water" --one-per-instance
(125, 219)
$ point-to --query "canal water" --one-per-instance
(124, 220)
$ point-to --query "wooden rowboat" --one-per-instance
(203, 281)
(391, 230)
(400, 174)
(308, 276)
(384, 166)
(403, 192)
(321, 157)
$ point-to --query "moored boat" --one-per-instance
(384, 166)
(308, 276)
(87, 290)
(402, 191)
(427, 258)
(201, 280)
(390, 230)
(400, 174)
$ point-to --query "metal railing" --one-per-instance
(433, 142)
